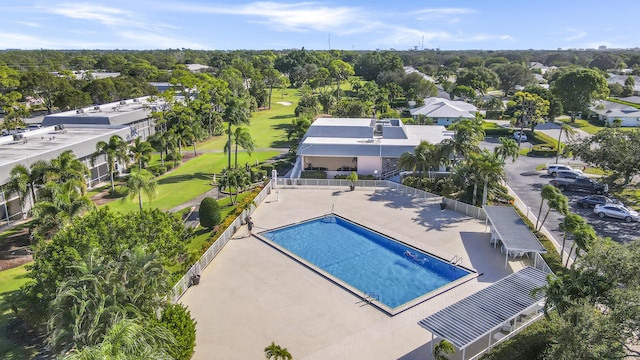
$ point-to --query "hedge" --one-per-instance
(313, 174)
(497, 132)
(543, 150)
(360, 177)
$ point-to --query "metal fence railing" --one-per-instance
(183, 284)
(540, 264)
(466, 209)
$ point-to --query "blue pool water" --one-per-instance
(366, 260)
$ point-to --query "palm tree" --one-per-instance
(548, 192)
(491, 170)
(275, 352)
(114, 150)
(140, 181)
(559, 203)
(424, 157)
(236, 113)
(569, 225)
(66, 168)
(241, 137)
(159, 142)
(569, 132)
(557, 294)
(23, 181)
(466, 138)
(59, 204)
(508, 148)
(443, 348)
(234, 180)
(140, 151)
(582, 240)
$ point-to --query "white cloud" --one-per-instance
(150, 40)
(90, 12)
(301, 16)
(575, 35)
(27, 23)
(402, 35)
(437, 14)
(25, 41)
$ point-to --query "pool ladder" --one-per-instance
(456, 260)
(370, 297)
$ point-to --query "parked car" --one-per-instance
(552, 169)
(580, 184)
(616, 211)
(570, 174)
(519, 136)
(593, 200)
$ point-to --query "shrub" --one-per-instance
(119, 191)
(171, 157)
(313, 174)
(209, 213)
(257, 174)
(282, 167)
(497, 132)
(543, 150)
(157, 170)
(169, 165)
(360, 177)
(267, 168)
(177, 319)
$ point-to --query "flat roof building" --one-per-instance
(367, 146)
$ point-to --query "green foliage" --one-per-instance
(313, 174)
(119, 191)
(209, 213)
(361, 177)
(100, 233)
(177, 319)
(543, 150)
(157, 170)
(530, 344)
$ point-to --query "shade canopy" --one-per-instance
(511, 229)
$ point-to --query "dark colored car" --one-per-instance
(580, 184)
(593, 200)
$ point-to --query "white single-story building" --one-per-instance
(367, 146)
(630, 117)
(445, 112)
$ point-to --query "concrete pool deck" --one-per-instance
(251, 294)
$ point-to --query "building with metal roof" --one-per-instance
(491, 314)
(364, 145)
(509, 231)
(445, 112)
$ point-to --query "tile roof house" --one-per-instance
(445, 112)
(367, 146)
(608, 111)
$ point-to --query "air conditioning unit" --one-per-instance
(136, 100)
(96, 108)
(123, 102)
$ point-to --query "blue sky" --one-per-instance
(372, 24)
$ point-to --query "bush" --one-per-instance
(527, 345)
(282, 167)
(313, 174)
(360, 177)
(171, 157)
(497, 132)
(168, 165)
(543, 150)
(119, 191)
(267, 168)
(157, 170)
(209, 213)
(257, 174)
(177, 319)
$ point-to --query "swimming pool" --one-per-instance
(394, 275)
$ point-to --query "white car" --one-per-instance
(519, 136)
(552, 169)
(616, 211)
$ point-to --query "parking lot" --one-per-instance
(527, 183)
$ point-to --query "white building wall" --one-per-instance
(626, 121)
(368, 165)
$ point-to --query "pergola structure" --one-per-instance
(510, 231)
(500, 306)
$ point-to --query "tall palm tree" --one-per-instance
(140, 151)
(241, 137)
(569, 132)
(443, 348)
(558, 202)
(582, 240)
(114, 150)
(236, 113)
(159, 142)
(508, 148)
(557, 294)
(24, 180)
(140, 181)
(276, 352)
(548, 192)
(491, 171)
(569, 225)
(233, 180)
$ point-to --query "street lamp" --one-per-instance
(375, 174)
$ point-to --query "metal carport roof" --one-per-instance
(513, 232)
(473, 317)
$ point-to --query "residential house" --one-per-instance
(445, 112)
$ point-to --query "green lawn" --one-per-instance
(10, 281)
(583, 125)
(268, 127)
(188, 181)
